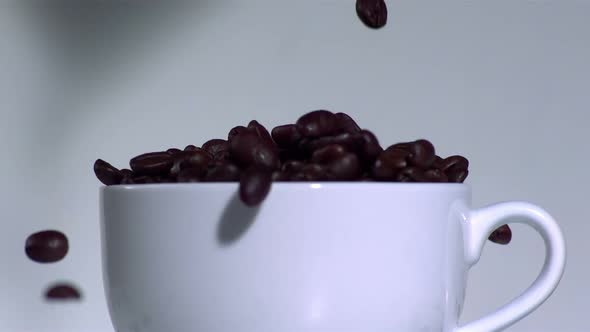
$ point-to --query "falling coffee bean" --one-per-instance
(61, 292)
(254, 186)
(373, 13)
(502, 235)
(47, 246)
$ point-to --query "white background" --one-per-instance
(505, 83)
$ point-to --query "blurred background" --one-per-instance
(505, 83)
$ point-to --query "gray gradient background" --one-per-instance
(504, 82)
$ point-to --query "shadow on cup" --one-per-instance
(235, 222)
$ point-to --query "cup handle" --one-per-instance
(480, 224)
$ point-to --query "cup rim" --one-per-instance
(280, 185)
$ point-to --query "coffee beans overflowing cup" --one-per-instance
(319, 146)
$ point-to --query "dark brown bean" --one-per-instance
(281, 176)
(173, 151)
(502, 235)
(292, 166)
(435, 175)
(143, 179)
(254, 186)
(286, 136)
(107, 173)
(370, 148)
(247, 149)
(395, 158)
(345, 168)
(223, 173)
(457, 162)
(261, 131)
(193, 174)
(126, 172)
(373, 13)
(215, 146)
(352, 142)
(235, 131)
(62, 292)
(346, 124)
(415, 174)
(317, 123)
(313, 172)
(198, 158)
(423, 154)
(457, 175)
(153, 163)
(328, 154)
(47, 246)
(190, 147)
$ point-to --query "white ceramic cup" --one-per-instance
(322, 257)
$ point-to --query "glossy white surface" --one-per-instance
(360, 257)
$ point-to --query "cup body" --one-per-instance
(355, 257)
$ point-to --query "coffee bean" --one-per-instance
(317, 123)
(345, 168)
(254, 186)
(247, 149)
(422, 153)
(235, 131)
(127, 180)
(153, 163)
(173, 151)
(260, 131)
(435, 175)
(198, 158)
(328, 154)
(106, 173)
(193, 174)
(47, 246)
(373, 13)
(457, 175)
(292, 166)
(411, 174)
(346, 124)
(352, 142)
(286, 136)
(223, 173)
(143, 179)
(395, 158)
(190, 147)
(126, 172)
(215, 146)
(371, 148)
(458, 162)
(313, 172)
(280, 176)
(62, 292)
(502, 235)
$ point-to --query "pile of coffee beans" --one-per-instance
(319, 146)
(51, 246)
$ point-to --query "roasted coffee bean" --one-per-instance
(292, 166)
(106, 173)
(388, 164)
(215, 146)
(457, 175)
(235, 131)
(292, 154)
(223, 173)
(47, 246)
(190, 147)
(411, 174)
(126, 172)
(198, 158)
(435, 175)
(352, 142)
(173, 151)
(502, 235)
(422, 153)
(298, 176)
(152, 163)
(286, 136)
(254, 185)
(127, 180)
(247, 149)
(280, 176)
(370, 148)
(328, 154)
(456, 162)
(143, 179)
(346, 124)
(261, 131)
(373, 13)
(193, 174)
(317, 123)
(62, 292)
(345, 168)
(314, 172)
(438, 162)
